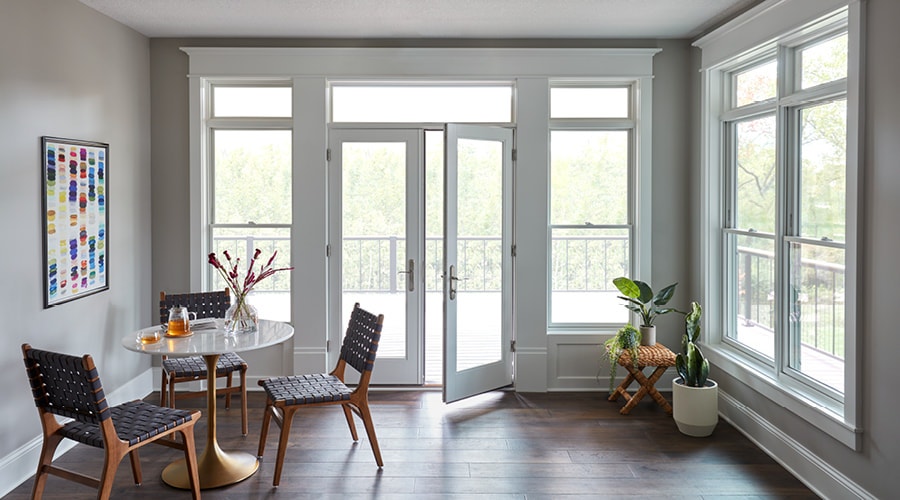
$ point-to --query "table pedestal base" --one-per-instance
(215, 468)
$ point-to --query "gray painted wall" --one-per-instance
(67, 71)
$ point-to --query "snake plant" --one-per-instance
(690, 363)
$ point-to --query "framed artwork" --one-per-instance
(75, 181)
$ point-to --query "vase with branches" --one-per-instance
(242, 317)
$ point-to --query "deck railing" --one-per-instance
(817, 304)
(372, 264)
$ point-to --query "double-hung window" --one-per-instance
(248, 184)
(592, 213)
(780, 127)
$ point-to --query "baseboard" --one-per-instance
(19, 466)
(820, 476)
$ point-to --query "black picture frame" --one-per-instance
(75, 216)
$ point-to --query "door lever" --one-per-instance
(454, 282)
(410, 275)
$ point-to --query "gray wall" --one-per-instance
(67, 71)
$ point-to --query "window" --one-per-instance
(591, 221)
(781, 119)
(249, 184)
(420, 103)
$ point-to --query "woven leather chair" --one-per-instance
(175, 370)
(286, 395)
(69, 386)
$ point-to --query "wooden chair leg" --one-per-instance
(163, 385)
(370, 431)
(135, 466)
(348, 414)
(190, 459)
(264, 431)
(228, 393)
(244, 427)
(48, 448)
(108, 476)
(172, 392)
(286, 420)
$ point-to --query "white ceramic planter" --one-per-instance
(695, 409)
(648, 335)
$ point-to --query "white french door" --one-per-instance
(375, 244)
(477, 260)
(381, 257)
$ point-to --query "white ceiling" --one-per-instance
(421, 18)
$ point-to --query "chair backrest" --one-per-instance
(361, 340)
(66, 385)
(205, 304)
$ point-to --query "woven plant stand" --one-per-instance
(658, 356)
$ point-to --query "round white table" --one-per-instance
(215, 466)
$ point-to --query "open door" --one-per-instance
(477, 260)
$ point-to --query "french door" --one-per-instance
(477, 260)
(375, 244)
(382, 256)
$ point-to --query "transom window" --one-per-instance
(421, 103)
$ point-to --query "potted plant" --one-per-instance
(695, 398)
(639, 297)
(628, 338)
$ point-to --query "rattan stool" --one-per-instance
(658, 356)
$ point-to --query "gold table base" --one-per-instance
(215, 467)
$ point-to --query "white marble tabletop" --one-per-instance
(211, 339)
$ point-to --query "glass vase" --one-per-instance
(241, 317)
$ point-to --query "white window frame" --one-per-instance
(749, 38)
(639, 188)
(210, 125)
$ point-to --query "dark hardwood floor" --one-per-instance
(500, 445)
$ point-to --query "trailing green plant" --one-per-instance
(627, 338)
(639, 297)
(690, 363)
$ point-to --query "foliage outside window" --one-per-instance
(785, 219)
(591, 227)
(249, 184)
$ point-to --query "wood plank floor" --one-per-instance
(500, 445)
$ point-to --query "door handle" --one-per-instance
(410, 275)
(454, 282)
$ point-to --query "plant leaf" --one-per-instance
(627, 287)
(681, 367)
(646, 293)
(664, 295)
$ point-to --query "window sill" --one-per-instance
(796, 398)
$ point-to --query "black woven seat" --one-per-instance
(285, 395)
(306, 389)
(70, 386)
(136, 421)
(177, 370)
(195, 367)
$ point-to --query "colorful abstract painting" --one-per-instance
(76, 218)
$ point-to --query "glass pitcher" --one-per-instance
(179, 321)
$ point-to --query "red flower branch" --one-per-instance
(241, 287)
